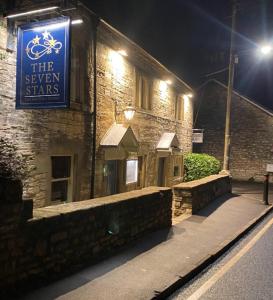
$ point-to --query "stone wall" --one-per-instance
(40, 133)
(63, 238)
(251, 131)
(190, 197)
(117, 89)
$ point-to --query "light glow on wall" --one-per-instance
(187, 105)
(163, 88)
(186, 97)
(117, 65)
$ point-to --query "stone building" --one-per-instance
(251, 131)
(130, 154)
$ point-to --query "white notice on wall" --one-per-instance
(197, 136)
(131, 171)
(269, 168)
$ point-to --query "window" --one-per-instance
(143, 91)
(78, 79)
(60, 178)
(176, 171)
(179, 108)
(131, 171)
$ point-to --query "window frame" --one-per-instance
(178, 168)
(143, 88)
(135, 171)
(60, 179)
(179, 108)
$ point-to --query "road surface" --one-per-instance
(245, 272)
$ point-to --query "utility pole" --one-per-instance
(230, 89)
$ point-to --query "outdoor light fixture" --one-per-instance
(266, 49)
(32, 12)
(51, 26)
(169, 82)
(186, 97)
(129, 112)
(190, 95)
(122, 52)
(77, 21)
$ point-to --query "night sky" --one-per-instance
(191, 38)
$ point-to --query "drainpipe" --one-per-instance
(95, 22)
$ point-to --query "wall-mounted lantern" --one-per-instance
(122, 52)
(186, 97)
(129, 112)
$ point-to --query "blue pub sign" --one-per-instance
(42, 79)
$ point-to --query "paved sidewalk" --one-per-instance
(165, 259)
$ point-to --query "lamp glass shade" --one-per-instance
(129, 113)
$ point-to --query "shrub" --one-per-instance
(200, 165)
(12, 164)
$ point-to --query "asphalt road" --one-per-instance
(245, 272)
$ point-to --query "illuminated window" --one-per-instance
(179, 108)
(61, 178)
(143, 91)
(131, 171)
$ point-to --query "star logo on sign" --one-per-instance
(36, 49)
(36, 40)
(52, 43)
(45, 34)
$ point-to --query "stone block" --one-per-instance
(193, 196)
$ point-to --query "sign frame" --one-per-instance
(198, 136)
(62, 99)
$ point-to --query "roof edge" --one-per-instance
(237, 94)
(144, 52)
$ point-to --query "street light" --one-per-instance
(265, 50)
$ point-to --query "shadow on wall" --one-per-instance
(96, 271)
